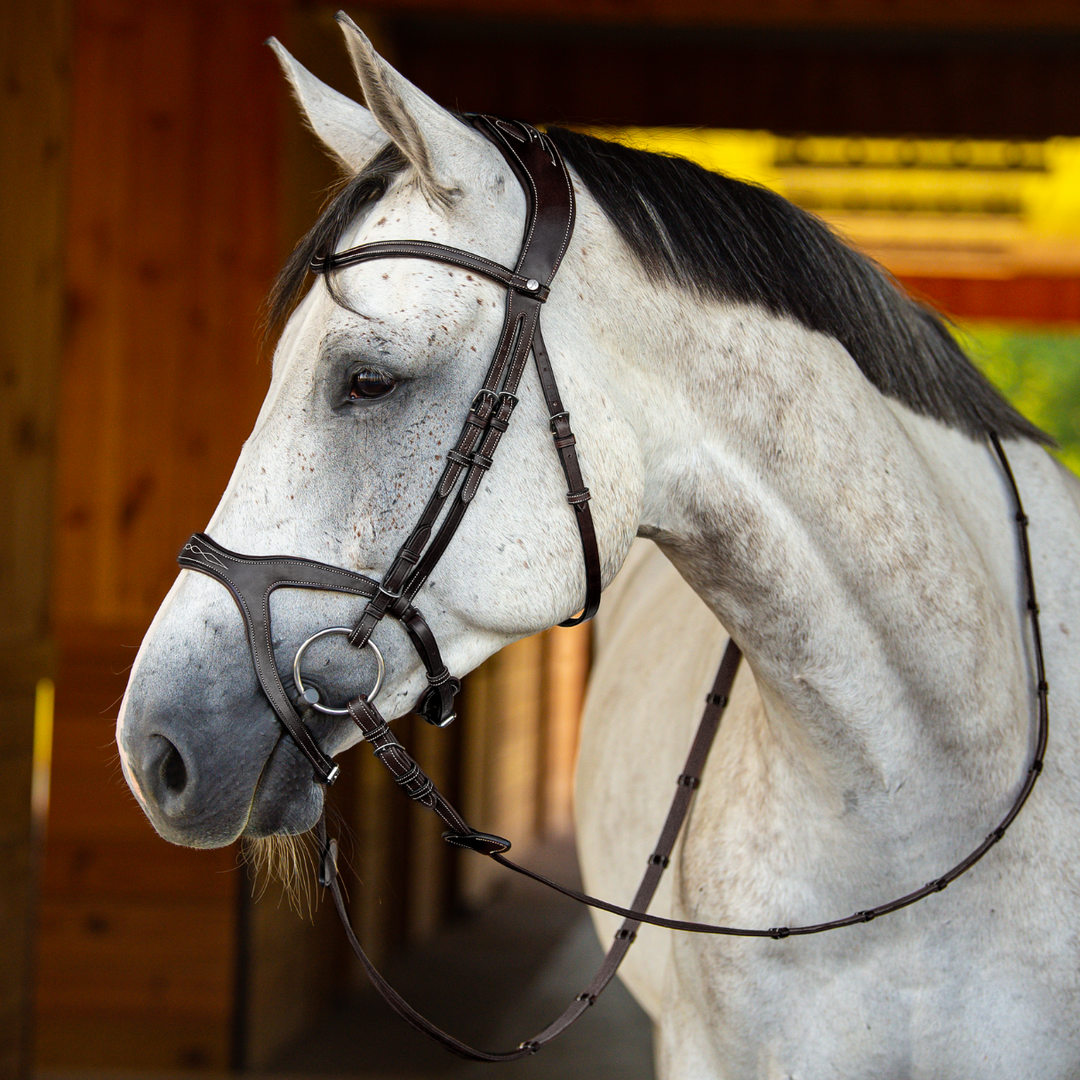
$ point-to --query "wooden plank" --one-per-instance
(478, 878)
(99, 841)
(175, 228)
(518, 756)
(1030, 299)
(502, 757)
(149, 927)
(136, 959)
(35, 52)
(124, 985)
(566, 658)
(88, 795)
(896, 14)
(20, 668)
(141, 1043)
(143, 868)
(15, 772)
(15, 921)
(91, 676)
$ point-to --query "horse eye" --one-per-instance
(369, 385)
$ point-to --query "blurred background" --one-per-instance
(153, 176)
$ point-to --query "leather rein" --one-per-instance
(251, 579)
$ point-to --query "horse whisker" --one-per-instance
(291, 860)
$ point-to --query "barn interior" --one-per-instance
(155, 176)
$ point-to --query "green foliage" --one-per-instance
(1038, 370)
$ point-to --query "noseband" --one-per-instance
(251, 579)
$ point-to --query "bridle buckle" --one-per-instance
(482, 395)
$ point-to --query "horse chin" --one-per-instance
(287, 798)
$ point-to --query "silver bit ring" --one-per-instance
(310, 696)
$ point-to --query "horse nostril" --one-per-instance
(173, 770)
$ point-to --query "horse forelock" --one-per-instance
(733, 241)
(357, 192)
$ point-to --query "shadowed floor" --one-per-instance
(492, 979)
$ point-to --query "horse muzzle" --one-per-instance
(200, 745)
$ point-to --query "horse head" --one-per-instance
(372, 379)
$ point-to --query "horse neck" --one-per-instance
(864, 558)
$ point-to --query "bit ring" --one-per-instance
(302, 690)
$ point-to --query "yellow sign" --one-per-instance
(921, 207)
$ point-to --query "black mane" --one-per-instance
(729, 240)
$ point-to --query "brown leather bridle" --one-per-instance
(251, 579)
(549, 225)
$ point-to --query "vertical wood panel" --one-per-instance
(174, 237)
(35, 52)
(173, 242)
(567, 656)
(520, 712)
(478, 715)
(35, 56)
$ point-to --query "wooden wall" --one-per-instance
(35, 52)
(172, 238)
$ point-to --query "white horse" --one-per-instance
(808, 449)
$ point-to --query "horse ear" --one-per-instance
(345, 128)
(415, 124)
